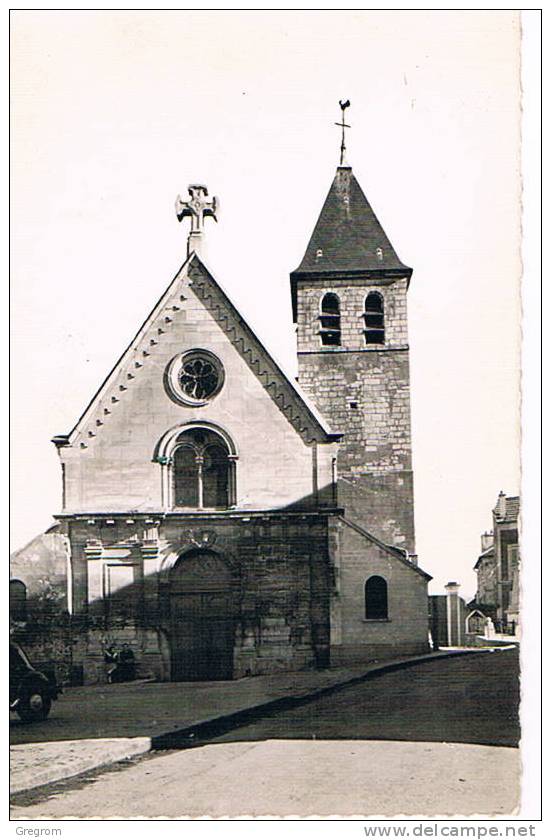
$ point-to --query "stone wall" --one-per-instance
(52, 641)
(281, 567)
(364, 392)
(352, 295)
(110, 461)
(354, 638)
(42, 566)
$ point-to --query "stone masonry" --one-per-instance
(364, 390)
(281, 575)
(224, 521)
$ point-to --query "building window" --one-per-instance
(202, 470)
(185, 466)
(330, 320)
(194, 378)
(122, 590)
(374, 319)
(509, 561)
(376, 598)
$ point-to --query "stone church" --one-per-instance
(224, 520)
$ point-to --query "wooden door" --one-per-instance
(202, 615)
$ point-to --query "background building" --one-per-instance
(497, 567)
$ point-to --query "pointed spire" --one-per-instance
(348, 236)
(348, 240)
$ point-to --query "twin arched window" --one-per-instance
(202, 470)
(376, 598)
(373, 317)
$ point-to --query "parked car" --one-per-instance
(31, 691)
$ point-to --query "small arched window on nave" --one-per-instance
(330, 320)
(374, 319)
(376, 598)
(18, 600)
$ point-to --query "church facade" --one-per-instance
(224, 520)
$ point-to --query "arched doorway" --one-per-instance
(476, 622)
(202, 618)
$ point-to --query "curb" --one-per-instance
(202, 731)
(199, 733)
(129, 748)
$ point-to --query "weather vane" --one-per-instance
(343, 125)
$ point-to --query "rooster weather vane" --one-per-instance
(344, 105)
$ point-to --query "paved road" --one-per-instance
(472, 699)
(138, 709)
(386, 761)
(297, 778)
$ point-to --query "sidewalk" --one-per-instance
(94, 726)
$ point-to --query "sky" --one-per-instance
(115, 113)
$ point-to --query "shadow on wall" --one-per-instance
(277, 600)
(209, 623)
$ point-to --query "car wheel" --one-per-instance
(36, 706)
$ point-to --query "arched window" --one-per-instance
(376, 598)
(18, 600)
(374, 319)
(330, 319)
(202, 470)
(185, 466)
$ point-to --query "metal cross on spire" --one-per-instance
(344, 105)
(197, 208)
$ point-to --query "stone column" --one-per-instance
(453, 615)
(79, 578)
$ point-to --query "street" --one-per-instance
(436, 739)
(471, 700)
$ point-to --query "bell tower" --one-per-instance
(349, 305)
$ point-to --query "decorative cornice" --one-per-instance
(128, 368)
(157, 517)
(322, 351)
(149, 339)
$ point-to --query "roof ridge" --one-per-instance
(297, 391)
(145, 325)
(299, 412)
(390, 549)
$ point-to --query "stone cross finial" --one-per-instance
(197, 208)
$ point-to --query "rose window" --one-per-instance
(195, 377)
(198, 379)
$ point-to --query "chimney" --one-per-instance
(453, 615)
(501, 506)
